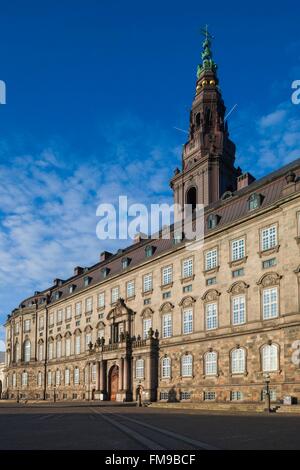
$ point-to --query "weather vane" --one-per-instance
(206, 33)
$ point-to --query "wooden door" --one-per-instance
(114, 382)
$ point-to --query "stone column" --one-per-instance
(126, 374)
(121, 374)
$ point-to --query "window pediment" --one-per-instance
(187, 301)
(211, 295)
(269, 279)
(239, 287)
(147, 312)
(166, 307)
(119, 310)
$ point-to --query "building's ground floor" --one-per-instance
(229, 368)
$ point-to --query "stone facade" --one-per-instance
(210, 323)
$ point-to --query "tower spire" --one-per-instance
(208, 63)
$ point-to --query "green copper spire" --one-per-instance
(207, 60)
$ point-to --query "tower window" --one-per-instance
(191, 197)
(197, 120)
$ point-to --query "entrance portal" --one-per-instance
(113, 383)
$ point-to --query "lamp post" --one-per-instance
(54, 396)
(18, 396)
(267, 394)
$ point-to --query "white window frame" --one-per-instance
(187, 321)
(101, 300)
(211, 259)
(147, 282)
(77, 344)
(187, 268)
(76, 376)
(211, 316)
(187, 365)
(27, 350)
(78, 308)
(211, 363)
(167, 325)
(238, 249)
(166, 368)
(58, 348)
(67, 376)
(68, 346)
(270, 302)
(269, 358)
(238, 309)
(269, 237)
(238, 361)
(89, 305)
(130, 289)
(139, 368)
(115, 294)
(147, 324)
(68, 314)
(167, 275)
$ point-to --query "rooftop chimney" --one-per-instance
(78, 270)
(139, 237)
(58, 282)
(244, 180)
(105, 255)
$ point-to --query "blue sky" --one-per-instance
(94, 91)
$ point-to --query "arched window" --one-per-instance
(187, 365)
(197, 120)
(40, 379)
(191, 197)
(49, 378)
(76, 376)
(139, 369)
(58, 347)
(57, 377)
(238, 361)
(166, 368)
(269, 358)
(27, 350)
(50, 349)
(41, 351)
(68, 346)
(24, 380)
(210, 363)
(17, 351)
(88, 340)
(67, 377)
(77, 344)
(14, 380)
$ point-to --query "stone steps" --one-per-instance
(243, 407)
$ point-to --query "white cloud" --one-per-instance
(272, 119)
(48, 211)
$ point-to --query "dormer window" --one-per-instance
(72, 287)
(212, 221)
(125, 263)
(57, 295)
(105, 272)
(254, 201)
(149, 250)
(87, 281)
(178, 237)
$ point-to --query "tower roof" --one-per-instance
(208, 64)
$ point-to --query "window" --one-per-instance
(211, 259)
(26, 326)
(149, 250)
(87, 281)
(166, 368)
(101, 333)
(211, 316)
(238, 305)
(27, 350)
(77, 344)
(236, 395)
(68, 346)
(59, 316)
(147, 301)
(211, 281)
(114, 294)
(210, 363)
(78, 309)
(125, 263)
(185, 395)
(147, 283)
(14, 380)
(237, 249)
(68, 313)
(57, 295)
(24, 379)
(167, 275)
(268, 238)
(139, 369)
(177, 238)
(67, 377)
(187, 365)
(105, 272)
(209, 396)
(57, 378)
(187, 321)
(89, 305)
(41, 323)
(238, 361)
(76, 376)
(40, 379)
(88, 340)
(188, 288)
(273, 396)
(51, 319)
(49, 378)
(238, 272)
(50, 350)
(212, 221)
(94, 372)
(167, 325)
(130, 289)
(166, 295)
(101, 300)
(254, 201)
(17, 329)
(164, 396)
(58, 348)
(187, 268)
(71, 288)
(270, 303)
(269, 263)
(269, 358)
(147, 324)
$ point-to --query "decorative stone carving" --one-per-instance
(187, 301)
(211, 295)
(239, 287)
(147, 312)
(119, 310)
(269, 279)
(166, 307)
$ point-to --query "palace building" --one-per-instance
(208, 324)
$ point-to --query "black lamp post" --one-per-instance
(267, 394)
(54, 396)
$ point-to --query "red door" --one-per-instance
(114, 382)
